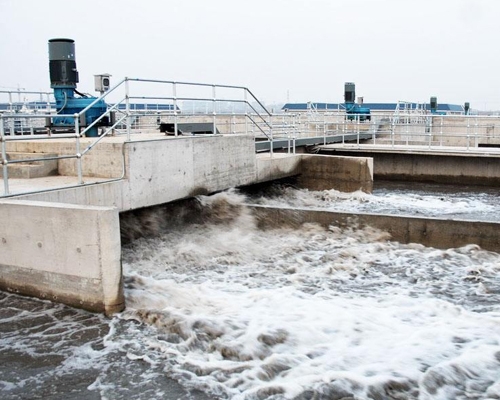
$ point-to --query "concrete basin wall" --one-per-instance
(163, 170)
(160, 171)
(433, 232)
(464, 168)
(346, 174)
(65, 253)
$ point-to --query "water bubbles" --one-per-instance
(314, 312)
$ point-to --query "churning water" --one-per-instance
(418, 199)
(313, 313)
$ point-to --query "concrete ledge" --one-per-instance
(346, 174)
(67, 253)
(280, 165)
(318, 172)
(160, 170)
(433, 232)
(421, 165)
(30, 169)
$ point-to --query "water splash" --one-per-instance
(314, 313)
(239, 313)
(419, 200)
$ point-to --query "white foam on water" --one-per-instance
(471, 205)
(279, 314)
(249, 314)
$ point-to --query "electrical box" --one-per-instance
(102, 82)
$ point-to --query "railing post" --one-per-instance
(324, 130)
(344, 122)
(468, 127)
(12, 125)
(392, 130)
(271, 135)
(246, 110)
(11, 105)
(476, 133)
(407, 132)
(174, 92)
(358, 121)
(78, 153)
(4, 158)
(214, 112)
(441, 133)
(430, 133)
(127, 108)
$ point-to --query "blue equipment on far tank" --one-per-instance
(354, 111)
(63, 79)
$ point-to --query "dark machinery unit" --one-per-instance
(466, 108)
(354, 111)
(434, 106)
(63, 79)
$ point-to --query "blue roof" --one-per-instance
(31, 105)
(148, 107)
(372, 106)
(42, 105)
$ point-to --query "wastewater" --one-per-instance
(218, 309)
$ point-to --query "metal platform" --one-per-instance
(284, 143)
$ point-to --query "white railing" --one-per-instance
(458, 133)
(138, 106)
(128, 119)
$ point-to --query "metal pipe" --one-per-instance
(214, 111)
(35, 159)
(16, 138)
(127, 108)
(4, 158)
(174, 91)
(110, 129)
(78, 154)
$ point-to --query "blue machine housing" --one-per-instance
(63, 79)
(67, 103)
(355, 111)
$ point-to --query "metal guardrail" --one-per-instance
(463, 133)
(257, 118)
(234, 110)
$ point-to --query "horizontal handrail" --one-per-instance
(105, 133)
(39, 159)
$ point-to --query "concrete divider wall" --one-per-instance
(280, 165)
(473, 169)
(160, 171)
(433, 232)
(465, 169)
(66, 253)
(346, 174)
(165, 169)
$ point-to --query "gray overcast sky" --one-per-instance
(392, 49)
